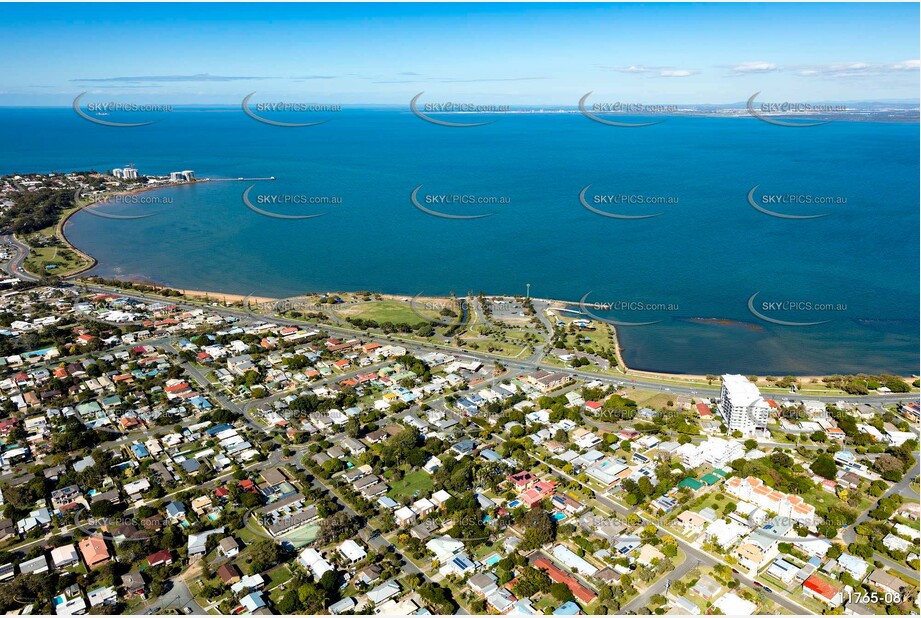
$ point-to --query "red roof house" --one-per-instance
(561, 577)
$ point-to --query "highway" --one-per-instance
(526, 365)
(14, 267)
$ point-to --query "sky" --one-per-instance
(528, 54)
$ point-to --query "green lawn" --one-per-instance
(500, 348)
(65, 260)
(278, 575)
(388, 311)
(598, 339)
(412, 482)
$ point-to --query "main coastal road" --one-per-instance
(15, 268)
(533, 363)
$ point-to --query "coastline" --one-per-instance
(626, 374)
(207, 296)
(60, 232)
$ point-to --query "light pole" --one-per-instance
(529, 290)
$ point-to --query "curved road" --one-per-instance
(15, 266)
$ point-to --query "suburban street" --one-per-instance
(177, 598)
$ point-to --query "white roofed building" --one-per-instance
(741, 405)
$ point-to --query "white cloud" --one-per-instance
(907, 65)
(857, 69)
(635, 69)
(754, 67)
(675, 73)
(652, 71)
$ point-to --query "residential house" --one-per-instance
(94, 551)
(823, 591)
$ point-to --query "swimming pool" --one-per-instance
(37, 353)
(492, 559)
(559, 516)
(513, 504)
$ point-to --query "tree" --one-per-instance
(332, 466)
(886, 463)
(102, 508)
(353, 427)
(539, 529)
(439, 597)
(645, 486)
(531, 581)
(825, 467)
(263, 555)
(561, 592)
(336, 526)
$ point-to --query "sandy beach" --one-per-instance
(220, 297)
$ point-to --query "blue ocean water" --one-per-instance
(703, 257)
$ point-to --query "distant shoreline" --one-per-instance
(907, 113)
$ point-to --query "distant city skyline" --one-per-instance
(524, 54)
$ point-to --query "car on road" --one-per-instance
(768, 590)
(736, 571)
(759, 584)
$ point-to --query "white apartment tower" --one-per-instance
(125, 173)
(742, 406)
